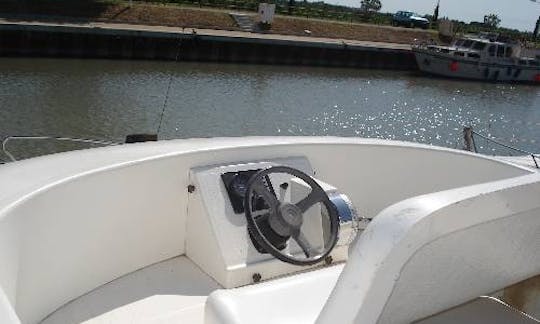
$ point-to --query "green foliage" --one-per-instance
(370, 5)
(492, 20)
(318, 10)
(322, 10)
(476, 27)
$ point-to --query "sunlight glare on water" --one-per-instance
(109, 99)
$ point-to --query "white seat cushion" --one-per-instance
(295, 299)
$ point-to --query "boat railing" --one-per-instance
(470, 144)
(418, 43)
(12, 158)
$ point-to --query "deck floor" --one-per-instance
(171, 291)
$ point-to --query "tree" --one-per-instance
(492, 20)
(370, 5)
(536, 28)
(290, 7)
(436, 12)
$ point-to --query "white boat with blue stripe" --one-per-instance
(482, 57)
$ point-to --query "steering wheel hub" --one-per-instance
(291, 214)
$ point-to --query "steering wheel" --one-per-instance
(285, 219)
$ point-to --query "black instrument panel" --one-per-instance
(236, 185)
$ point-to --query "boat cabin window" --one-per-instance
(479, 46)
(509, 51)
(491, 50)
(467, 43)
(523, 62)
(500, 51)
(473, 55)
(459, 54)
(459, 42)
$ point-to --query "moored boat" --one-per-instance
(482, 57)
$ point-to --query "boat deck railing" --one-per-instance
(470, 144)
(468, 132)
(417, 43)
(12, 158)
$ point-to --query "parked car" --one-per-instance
(409, 19)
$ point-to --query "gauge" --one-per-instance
(239, 184)
(236, 186)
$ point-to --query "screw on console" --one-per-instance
(256, 277)
(328, 260)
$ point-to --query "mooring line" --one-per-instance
(166, 100)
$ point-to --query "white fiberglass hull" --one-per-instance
(470, 68)
(145, 233)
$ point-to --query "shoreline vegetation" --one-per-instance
(190, 16)
(317, 19)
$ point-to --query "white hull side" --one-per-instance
(467, 68)
(72, 222)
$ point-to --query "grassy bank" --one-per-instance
(114, 11)
(193, 17)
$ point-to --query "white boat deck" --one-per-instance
(525, 161)
(176, 290)
(171, 291)
(483, 310)
(111, 235)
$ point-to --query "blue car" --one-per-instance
(409, 19)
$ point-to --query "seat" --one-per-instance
(483, 310)
(430, 253)
(295, 299)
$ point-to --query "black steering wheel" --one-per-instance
(284, 220)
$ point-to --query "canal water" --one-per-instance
(108, 99)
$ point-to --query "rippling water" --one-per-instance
(109, 99)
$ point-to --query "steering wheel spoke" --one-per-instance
(302, 241)
(258, 213)
(264, 192)
(311, 199)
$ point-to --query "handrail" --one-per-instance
(534, 156)
(419, 43)
(56, 138)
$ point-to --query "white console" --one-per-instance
(217, 236)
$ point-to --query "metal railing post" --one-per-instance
(471, 144)
(468, 138)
